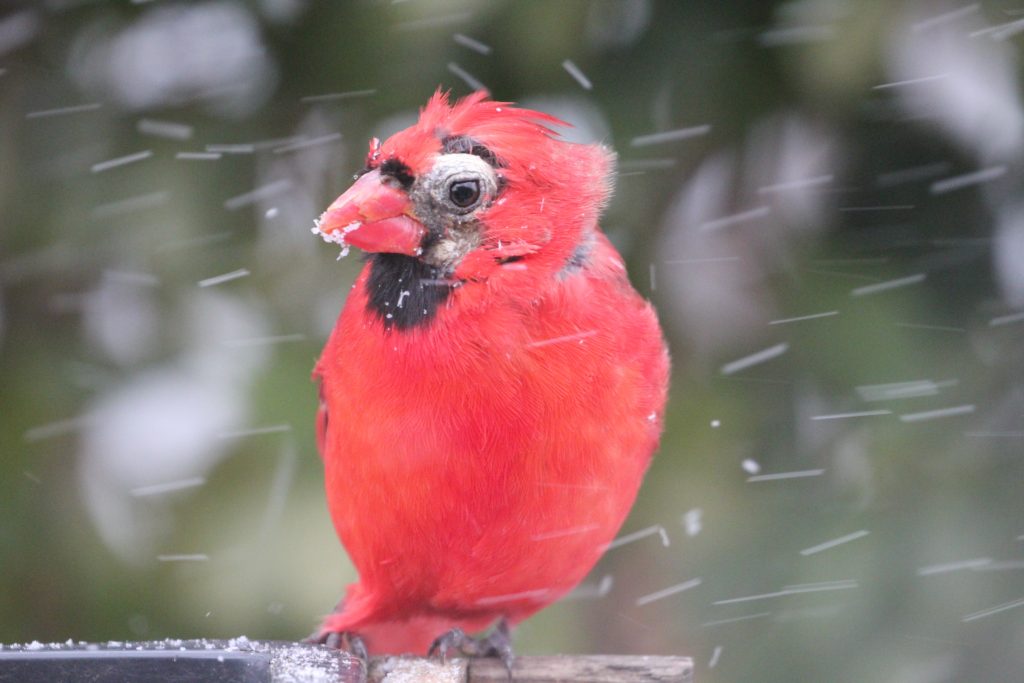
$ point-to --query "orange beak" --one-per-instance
(373, 216)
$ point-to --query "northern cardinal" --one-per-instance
(493, 390)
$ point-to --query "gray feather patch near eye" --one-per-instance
(453, 169)
(446, 200)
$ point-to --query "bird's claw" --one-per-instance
(342, 640)
(496, 643)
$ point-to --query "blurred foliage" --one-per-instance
(834, 125)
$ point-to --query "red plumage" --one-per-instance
(481, 453)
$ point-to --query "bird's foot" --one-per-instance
(496, 643)
(342, 640)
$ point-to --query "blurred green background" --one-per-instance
(853, 165)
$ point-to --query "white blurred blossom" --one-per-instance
(121, 319)
(211, 51)
(963, 80)
(163, 425)
(962, 76)
(214, 325)
(18, 29)
(158, 427)
(732, 224)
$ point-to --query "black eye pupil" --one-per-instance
(464, 193)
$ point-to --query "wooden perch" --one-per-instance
(556, 669)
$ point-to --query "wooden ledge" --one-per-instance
(554, 669)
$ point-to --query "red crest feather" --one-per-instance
(501, 127)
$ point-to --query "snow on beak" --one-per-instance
(374, 216)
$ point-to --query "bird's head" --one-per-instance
(471, 187)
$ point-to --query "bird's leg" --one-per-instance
(342, 640)
(496, 643)
(500, 643)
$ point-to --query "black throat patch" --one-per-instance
(404, 292)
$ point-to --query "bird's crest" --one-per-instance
(497, 127)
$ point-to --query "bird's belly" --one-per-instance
(489, 516)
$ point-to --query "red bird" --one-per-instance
(493, 390)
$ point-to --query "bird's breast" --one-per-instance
(473, 441)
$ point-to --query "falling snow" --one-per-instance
(754, 359)
(834, 249)
(226, 277)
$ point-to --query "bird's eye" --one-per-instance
(464, 193)
(458, 185)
